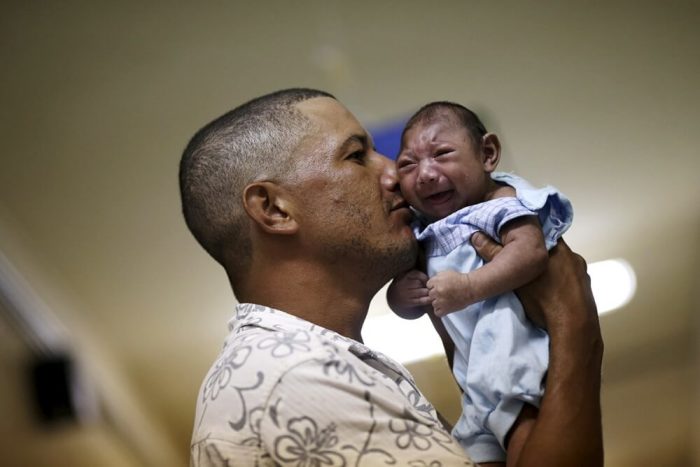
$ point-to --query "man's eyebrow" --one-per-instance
(357, 138)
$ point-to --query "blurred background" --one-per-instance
(105, 293)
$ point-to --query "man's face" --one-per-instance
(351, 211)
(439, 169)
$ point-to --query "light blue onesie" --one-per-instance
(500, 357)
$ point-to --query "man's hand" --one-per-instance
(449, 291)
(561, 289)
(567, 431)
(408, 295)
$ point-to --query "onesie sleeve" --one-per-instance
(490, 217)
(553, 208)
(448, 233)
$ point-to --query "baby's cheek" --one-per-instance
(407, 187)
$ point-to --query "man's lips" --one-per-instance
(400, 204)
(402, 208)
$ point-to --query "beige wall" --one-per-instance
(99, 98)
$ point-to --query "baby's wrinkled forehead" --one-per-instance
(431, 125)
(439, 112)
(440, 115)
(447, 115)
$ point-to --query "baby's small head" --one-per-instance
(446, 158)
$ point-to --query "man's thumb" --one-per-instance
(485, 247)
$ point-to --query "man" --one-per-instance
(287, 193)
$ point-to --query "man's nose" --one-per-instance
(389, 178)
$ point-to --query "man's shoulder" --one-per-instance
(240, 384)
(284, 346)
(255, 359)
(264, 353)
(273, 391)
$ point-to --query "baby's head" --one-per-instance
(445, 160)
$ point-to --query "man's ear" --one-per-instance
(268, 205)
(490, 151)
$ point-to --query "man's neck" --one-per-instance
(316, 295)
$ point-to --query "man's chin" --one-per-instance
(405, 257)
(393, 260)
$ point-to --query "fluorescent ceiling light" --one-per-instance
(613, 283)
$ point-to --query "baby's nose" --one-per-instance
(426, 173)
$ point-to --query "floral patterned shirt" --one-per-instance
(286, 392)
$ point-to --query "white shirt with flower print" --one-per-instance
(286, 392)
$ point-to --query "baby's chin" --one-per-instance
(432, 215)
(435, 213)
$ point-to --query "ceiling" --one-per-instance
(98, 100)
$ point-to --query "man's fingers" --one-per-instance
(485, 246)
(423, 300)
(417, 293)
(419, 278)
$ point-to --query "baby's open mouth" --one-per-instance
(441, 197)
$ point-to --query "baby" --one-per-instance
(446, 172)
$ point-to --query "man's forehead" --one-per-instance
(331, 115)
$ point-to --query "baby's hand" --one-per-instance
(408, 294)
(449, 291)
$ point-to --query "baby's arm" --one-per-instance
(407, 294)
(523, 258)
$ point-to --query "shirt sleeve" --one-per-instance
(214, 452)
(344, 412)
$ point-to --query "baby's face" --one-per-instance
(439, 169)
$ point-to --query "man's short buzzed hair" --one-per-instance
(435, 110)
(251, 142)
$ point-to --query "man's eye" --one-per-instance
(358, 156)
(442, 152)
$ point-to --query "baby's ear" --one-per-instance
(269, 206)
(490, 151)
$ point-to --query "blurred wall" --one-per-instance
(99, 98)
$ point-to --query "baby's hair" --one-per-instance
(435, 110)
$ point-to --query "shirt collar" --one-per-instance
(251, 314)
